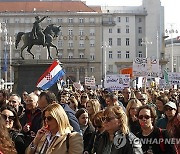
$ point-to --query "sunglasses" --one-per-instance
(107, 119)
(12, 101)
(133, 108)
(168, 109)
(144, 116)
(83, 96)
(10, 118)
(49, 118)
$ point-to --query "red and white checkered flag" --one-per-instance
(49, 76)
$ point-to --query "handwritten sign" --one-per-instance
(117, 82)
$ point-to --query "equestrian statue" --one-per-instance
(38, 36)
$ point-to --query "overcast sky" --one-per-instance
(171, 9)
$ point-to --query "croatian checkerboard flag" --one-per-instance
(50, 76)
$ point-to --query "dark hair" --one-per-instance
(80, 112)
(50, 96)
(163, 98)
(152, 111)
(17, 126)
(4, 93)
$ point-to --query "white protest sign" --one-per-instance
(117, 82)
(90, 81)
(145, 67)
(174, 78)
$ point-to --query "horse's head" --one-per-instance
(53, 30)
(56, 30)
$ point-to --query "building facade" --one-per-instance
(94, 40)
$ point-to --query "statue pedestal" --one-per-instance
(27, 73)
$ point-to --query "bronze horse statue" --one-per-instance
(50, 32)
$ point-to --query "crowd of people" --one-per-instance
(99, 121)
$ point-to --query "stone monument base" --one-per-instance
(27, 73)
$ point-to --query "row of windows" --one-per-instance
(71, 44)
(127, 19)
(127, 42)
(81, 70)
(127, 54)
(49, 20)
(81, 55)
(127, 30)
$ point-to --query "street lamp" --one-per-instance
(171, 31)
(105, 46)
(146, 42)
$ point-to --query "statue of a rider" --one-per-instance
(37, 31)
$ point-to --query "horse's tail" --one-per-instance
(18, 38)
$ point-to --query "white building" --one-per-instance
(131, 32)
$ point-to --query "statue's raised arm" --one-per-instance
(37, 30)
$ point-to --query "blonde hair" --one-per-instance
(58, 113)
(130, 104)
(96, 106)
(121, 115)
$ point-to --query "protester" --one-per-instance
(3, 97)
(31, 120)
(13, 125)
(86, 126)
(83, 100)
(152, 137)
(15, 101)
(115, 124)
(99, 129)
(131, 111)
(127, 96)
(56, 135)
(6, 143)
(93, 106)
(73, 103)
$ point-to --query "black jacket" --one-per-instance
(122, 144)
(18, 139)
(152, 142)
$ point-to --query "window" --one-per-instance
(92, 56)
(140, 42)
(110, 55)
(70, 32)
(118, 54)
(110, 41)
(127, 54)
(91, 69)
(127, 41)
(92, 20)
(92, 43)
(92, 32)
(127, 19)
(70, 20)
(60, 43)
(81, 44)
(118, 19)
(59, 20)
(17, 20)
(127, 29)
(110, 68)
(81, 55)
(81, 32)
(110, 30)
(118, 41)
(140, 54)
(60, 55)
(49, 20)
(139, 29)
(81, 20)
(70, 44)
(119, 30)
(70, 55)
(140, 19)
